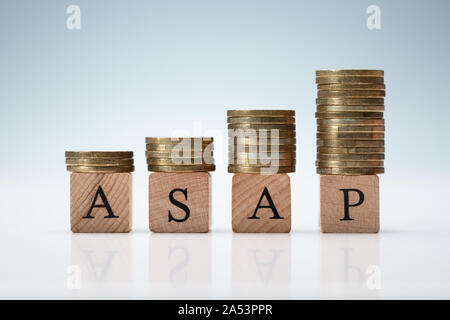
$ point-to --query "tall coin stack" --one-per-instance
(258, 139)
(99, 161)
(180, 154)
(350, 124)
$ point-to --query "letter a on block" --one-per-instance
(270, 206)
(105, 205)
(271, 194)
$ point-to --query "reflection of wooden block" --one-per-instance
(179, 202)
(100, 202)
(349, 203)
(261, 203)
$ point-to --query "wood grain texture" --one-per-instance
(247, 191)
(117, 189)
(198, 191)
(366, 216)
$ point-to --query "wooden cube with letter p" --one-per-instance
(261, 203)
(179, 202)
(349, 204)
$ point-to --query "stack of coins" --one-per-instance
(99, 161)
(180, 154)
(260, 140)
(350, 124)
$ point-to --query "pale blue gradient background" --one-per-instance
(147, 68)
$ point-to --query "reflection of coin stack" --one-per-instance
(100, 161)
(260, 140)
(180, 154)
(350, 124)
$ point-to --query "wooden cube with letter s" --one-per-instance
(180, 184)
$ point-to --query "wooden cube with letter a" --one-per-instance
(100, 202)
(349, 204)
(261, 203)
(179, 202)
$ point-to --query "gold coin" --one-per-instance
(261, 120)
(175, 154)
(185, 142)
(352, 122)
(177, 148)
(350, 171)
(100, 154)
(349, 72)
(177, 140)
(350, 156)
(262, 141)
(261, 113)
(100, 169)
(369, 108)
(350, 101)
(260, 169)
(349, 115)
(350, 79)
(99, 162)
(182, 168)
(347, 128)
(263, 133)
(350, 86)
(350, 135)
(176, 161)
(262, 162)
(350, 143)
(343, 150)
(352, 164)
(288, 126)
(258, 148)
(262, 155)
(351, 93)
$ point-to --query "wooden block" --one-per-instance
(261, 203)
(100, 202)
(349, 204)
(179, 202)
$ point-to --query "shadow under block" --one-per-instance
(261, 203)
(100, 202)
(179, 202)
(349, 204)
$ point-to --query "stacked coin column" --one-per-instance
(262, 150)
(350, 148)
(180, 185)
(100, 191)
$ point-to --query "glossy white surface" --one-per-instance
(304, 264)
(409, 258)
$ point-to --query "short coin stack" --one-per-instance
(99, 161)
(258, 140)
(180, 154)
(350, 124)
